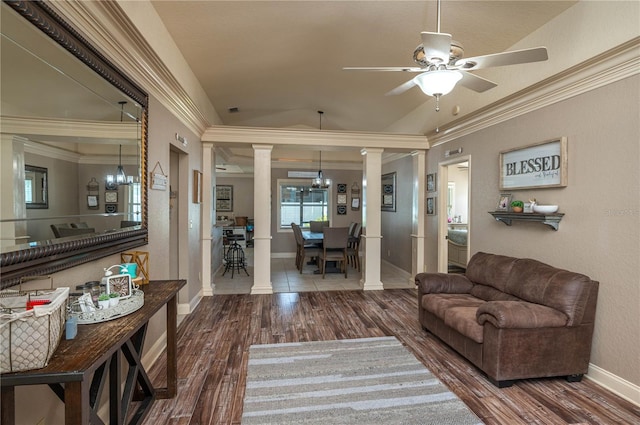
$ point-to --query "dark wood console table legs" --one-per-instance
(82, 368)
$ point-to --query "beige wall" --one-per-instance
(396, 227)
(600, 233)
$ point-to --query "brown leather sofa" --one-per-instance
(512, 318)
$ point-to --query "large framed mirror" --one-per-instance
(70, 116)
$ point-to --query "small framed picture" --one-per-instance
(111, 197)
(342, 188)
(504, 202)
(342, 199)
(120, 283)
(431, 182)
(92, 202)
(431, 206)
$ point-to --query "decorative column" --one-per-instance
(206, 216)
(262, 219)
(371, 226)
(417, 214)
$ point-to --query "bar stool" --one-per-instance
(234, 256)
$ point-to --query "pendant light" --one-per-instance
(320, 182)
(121, 176)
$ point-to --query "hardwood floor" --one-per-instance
(214, 342)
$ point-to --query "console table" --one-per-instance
(82, 367)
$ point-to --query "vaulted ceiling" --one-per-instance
(279, 62)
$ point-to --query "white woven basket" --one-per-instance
(28, 338)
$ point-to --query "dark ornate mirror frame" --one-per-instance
(52, 256)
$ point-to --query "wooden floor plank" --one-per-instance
(214, 346)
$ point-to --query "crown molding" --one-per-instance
(74, 129)
(313, 138)
(110, 30)
(613, 65)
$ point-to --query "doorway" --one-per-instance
(454, 223)
(178, 214)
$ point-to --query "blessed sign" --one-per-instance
(536, 166)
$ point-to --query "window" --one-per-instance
(300, 204)
(133, 202)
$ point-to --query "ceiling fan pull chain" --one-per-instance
(437, 96)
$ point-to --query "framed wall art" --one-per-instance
(389, 192)
(537, 166)
(431, 205)
(224, 198)
(92, 202)
(431, 182)
(197, 187)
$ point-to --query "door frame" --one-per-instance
(443, 184)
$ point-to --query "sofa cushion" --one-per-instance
(519, 315)
(489, 293)
(490, 269)
(438, 304)
(463, 320)
(540, 283)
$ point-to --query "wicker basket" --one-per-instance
(28, 338)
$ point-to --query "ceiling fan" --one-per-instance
(441, 65)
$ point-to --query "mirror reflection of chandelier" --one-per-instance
(120, 177)
(320, 182)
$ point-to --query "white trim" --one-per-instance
(188, 308)
(614, 383)
(155, 351)
(313, 138)
(402, 274)
(283, 255)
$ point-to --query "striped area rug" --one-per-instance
(354, 381)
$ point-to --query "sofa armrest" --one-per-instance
(519, 315)
(442, 283)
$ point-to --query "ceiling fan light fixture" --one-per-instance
(438, 82)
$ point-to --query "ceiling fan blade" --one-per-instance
(385, 68)
(401, 88)
(437, 46)
(476, 83)
(536, 54)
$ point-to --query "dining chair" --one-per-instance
(303, 250)
(353, 248)
(317, 226)
(334, 248)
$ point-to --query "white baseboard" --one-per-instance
(400, 272)
(187, 308)
(283, 255)
(614, 383)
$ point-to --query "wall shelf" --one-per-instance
(551, 220)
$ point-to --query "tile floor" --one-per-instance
(286, 278)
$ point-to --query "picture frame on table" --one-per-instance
(504, 202)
